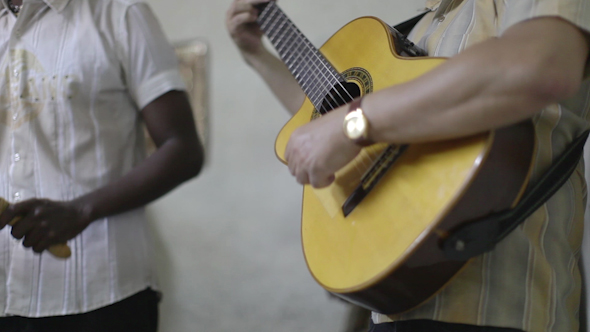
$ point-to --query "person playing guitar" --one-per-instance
(507, 62)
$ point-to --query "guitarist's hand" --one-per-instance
(241, 24)
(318, 149)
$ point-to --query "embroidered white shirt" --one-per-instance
(74, 76)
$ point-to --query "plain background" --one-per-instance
(229, 252)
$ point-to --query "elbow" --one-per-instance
(546, 81)
(196, 160)
(552, 85)
(189, 159)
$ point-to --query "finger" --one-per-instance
(292, 168)
(6, 214)
(23, 226)
(240, 19)
(24, 207)
(330, 180)
(44, 243)
(11, 212)
(244, 6)
(256, 2)
(303, 178)
(16, 212)
(35, 235)
(321, 181)
(291, 164)
(287, 155)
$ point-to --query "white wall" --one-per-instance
(229, 247)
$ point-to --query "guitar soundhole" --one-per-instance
(339, 95)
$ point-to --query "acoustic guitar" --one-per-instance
(374, 236)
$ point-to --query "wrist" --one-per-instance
(86, 210)
(260, 59)
(356, 126)
(256, 58)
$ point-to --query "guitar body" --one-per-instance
(385, 255)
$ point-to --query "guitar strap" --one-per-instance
(476, 237)
(406, 26)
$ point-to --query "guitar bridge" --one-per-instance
(370, 179)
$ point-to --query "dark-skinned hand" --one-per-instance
(45, 222)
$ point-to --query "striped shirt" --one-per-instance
(531, 280)
(73, 77)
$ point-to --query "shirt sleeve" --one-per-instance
(149, 62)
(576, 12)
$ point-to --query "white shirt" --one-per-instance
(73, 77)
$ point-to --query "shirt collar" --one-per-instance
(432, 4)
(57, 5)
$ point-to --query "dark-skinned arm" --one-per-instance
(179, 157)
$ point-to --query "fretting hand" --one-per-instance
(241, 24)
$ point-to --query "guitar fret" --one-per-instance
(290, 51)
(278, 35)
(293, 42)
(282, 31)
(265, 19)
(325, 89)
(270, 30)
(312, 71)
(311, 75)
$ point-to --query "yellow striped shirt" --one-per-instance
(531, 280)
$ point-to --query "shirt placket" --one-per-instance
(21, 277)
(16, 66)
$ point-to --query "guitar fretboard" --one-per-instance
(313, 72)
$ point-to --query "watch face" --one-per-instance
(355, 125)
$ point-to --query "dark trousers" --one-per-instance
(138, 313)
(433, 326)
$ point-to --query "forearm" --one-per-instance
(489, 85)
(278, 78)
(174, 162)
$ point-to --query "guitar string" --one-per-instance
(306, 76)
(272, 37)
(372, 152)
(275, 14)
(301, 54)
(302, 76)
(375, 153)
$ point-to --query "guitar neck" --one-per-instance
(313, 72)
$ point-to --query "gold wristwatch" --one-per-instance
(356, 125)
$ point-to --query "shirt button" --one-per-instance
(16, 157)
(16, 196)
(442, 18)
(14, 116)
(15, 72)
